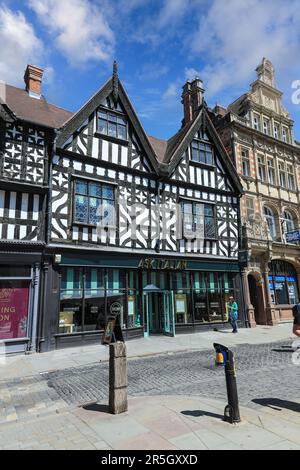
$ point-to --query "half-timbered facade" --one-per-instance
(26, 137)
(97, 218)
(139, 226)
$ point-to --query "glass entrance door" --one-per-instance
(159, 313)
(168, 323)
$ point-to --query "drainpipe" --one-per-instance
(36, 291)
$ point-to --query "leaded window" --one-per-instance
(198, 221)
(112, 124)
(93, 201)
(202, 152)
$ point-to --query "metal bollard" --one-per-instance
(225, 358)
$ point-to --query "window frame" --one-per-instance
(184, 202)
(90, 182)
(205, 143)
(271, 170)
(256, 122)
(246, 162)
(116, 115)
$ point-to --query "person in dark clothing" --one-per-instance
(296, 313)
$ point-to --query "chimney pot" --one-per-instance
(33, 80)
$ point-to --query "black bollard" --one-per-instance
(225, 358)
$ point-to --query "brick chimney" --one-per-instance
(192, 99)
(219, 110)
(33, 80)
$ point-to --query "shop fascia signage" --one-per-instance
(163, 264)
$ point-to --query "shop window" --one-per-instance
(181, 308)
(70, 316)
(283, 281)
(94, 310)
(134, 313)
(14, 304)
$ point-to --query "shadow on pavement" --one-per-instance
(198, 413)
(96, 407)
(277, 404)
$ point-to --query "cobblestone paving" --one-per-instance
(263, 371)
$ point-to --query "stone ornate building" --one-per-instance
(258, 134)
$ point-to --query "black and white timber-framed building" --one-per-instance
(97, 217)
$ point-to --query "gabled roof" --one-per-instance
(164, 155)
(32, 110)
(84, 113)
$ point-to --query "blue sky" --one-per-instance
(158, 44)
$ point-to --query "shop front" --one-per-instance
(284, 288)
(19, 295)
(151, 297)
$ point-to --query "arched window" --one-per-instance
(270, 219)
(288, 222)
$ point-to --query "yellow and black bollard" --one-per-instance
(225, 358)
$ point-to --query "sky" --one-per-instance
(158, 44)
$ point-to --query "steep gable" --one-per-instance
(217, 172)
(107, 129)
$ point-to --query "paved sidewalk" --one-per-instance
(25, 366)
(160, 423)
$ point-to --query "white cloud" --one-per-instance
(171, 91)
(191, 73)
(172, 12)
(162, 24)
(152, 71)
(234, 36)
(20, 46)
(80, 29)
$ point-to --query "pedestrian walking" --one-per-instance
(296, 313)
(233, 314)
